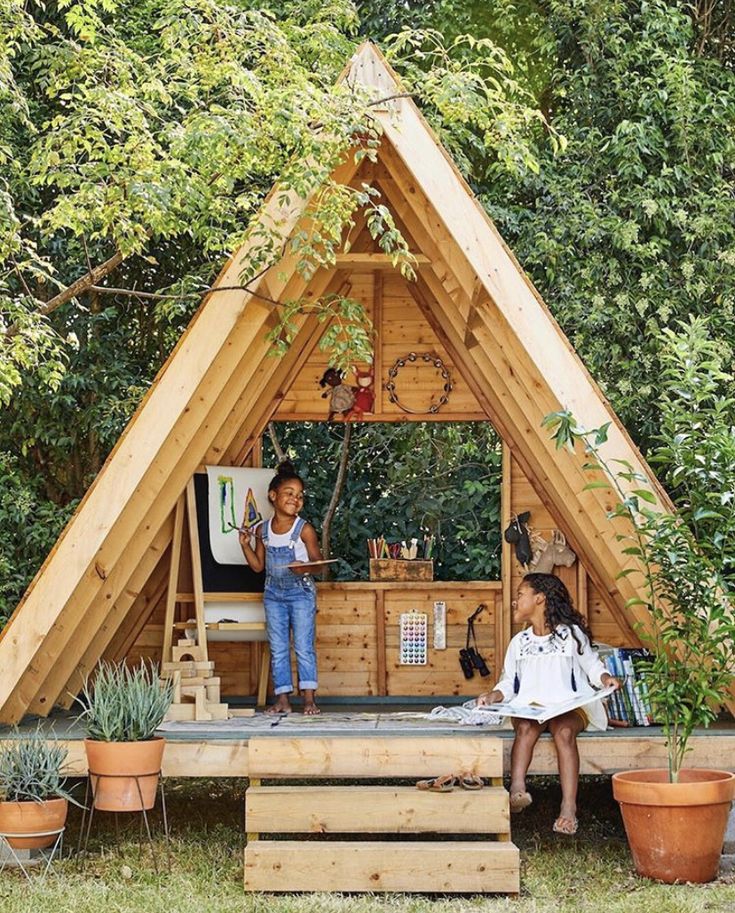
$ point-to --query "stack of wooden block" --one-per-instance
(196, 688)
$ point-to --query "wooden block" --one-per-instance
(375, 810)
(397, 569)
(188, 681)
(353, 756)
(241, 712)
(189, 668)
(185, 642)
(187, 712)
(456, 867)
(211, 692)
(195, 653)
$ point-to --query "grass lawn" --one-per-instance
(592, 871)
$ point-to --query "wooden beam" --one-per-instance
(357, 756)
(374, 261)
(64, 677)
(137, 618)
(173, 579)
(378, 340)
(317, 809)
(469, 867)
(196, 570)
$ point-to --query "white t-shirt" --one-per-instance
(546, 666)
(279, 540)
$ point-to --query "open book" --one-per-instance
(543, 712)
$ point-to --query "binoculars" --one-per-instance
(469, 660)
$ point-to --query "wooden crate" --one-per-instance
(358, 810)
(401, 569)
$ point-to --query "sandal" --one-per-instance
(470, 781)
(443, 784)
(569, 829)
(520, 800)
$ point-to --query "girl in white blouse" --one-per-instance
(551, 661)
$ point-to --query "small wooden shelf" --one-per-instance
(223, 625)
(222, 597)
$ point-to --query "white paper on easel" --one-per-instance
(236, 497)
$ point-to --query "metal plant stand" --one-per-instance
(89, 809)
(48, 853)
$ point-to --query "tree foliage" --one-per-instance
(405, 480)
(632, 228)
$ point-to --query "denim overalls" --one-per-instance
(290, 603)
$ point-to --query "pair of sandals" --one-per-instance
(563, 825)
(447, 782)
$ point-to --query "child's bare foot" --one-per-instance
(281, 705)
(310, 707)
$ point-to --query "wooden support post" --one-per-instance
(378, 341)
(196, 570)
(173, 579)
(380, 642)
(506, 551)
(265, 665)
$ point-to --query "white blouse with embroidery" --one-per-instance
(549, 669)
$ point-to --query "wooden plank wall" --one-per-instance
(353, 620)
(586, 595)
(401, 328)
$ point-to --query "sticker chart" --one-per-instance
(414, 632)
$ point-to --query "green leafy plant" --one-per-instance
(123, 704)
(691, 624)
(31, 769)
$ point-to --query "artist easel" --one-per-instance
(187, 663)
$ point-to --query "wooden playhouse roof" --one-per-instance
(219, 388)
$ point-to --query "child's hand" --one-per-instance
(609, 681)
(489, 697)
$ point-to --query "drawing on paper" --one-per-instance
(237, 499)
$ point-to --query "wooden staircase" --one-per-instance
(359, 814)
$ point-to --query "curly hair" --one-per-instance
(285, 473)
(559, 609)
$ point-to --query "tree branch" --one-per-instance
(339, 483)
(84, 284)
(280, 455)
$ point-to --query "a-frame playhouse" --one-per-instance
(116, 573)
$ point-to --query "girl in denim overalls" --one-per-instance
(290, 594)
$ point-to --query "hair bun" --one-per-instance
(286, 468)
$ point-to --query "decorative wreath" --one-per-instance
(429, 358)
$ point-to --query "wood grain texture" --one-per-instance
(408, 756)
(472, 868)
(375, 810)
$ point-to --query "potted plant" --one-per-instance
(33, 795)
(674, 819)
(122, 709)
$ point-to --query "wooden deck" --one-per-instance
(221, 749)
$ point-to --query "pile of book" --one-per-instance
(629, 705)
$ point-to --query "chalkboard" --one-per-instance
(220, 578)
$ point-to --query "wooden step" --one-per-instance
(458, 867)
(375, 809)
(355, 757)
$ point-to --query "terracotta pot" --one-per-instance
(32, 818)
(675, 830)
(128, 771)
